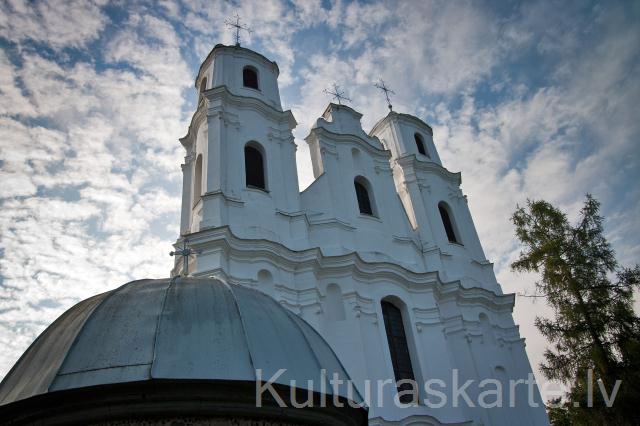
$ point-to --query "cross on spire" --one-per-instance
(382, 86)
(238, 26)
(337, 94)
(184, 252)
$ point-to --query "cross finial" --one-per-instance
(382, 86)
(185, 252)
(238, 26)
(337, 94)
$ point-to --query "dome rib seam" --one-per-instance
(157, 332)
(244, 326)
(313, 330)
(304, 336)
(81, 329)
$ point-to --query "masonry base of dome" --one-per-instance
(178, 402)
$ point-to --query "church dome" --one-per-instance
(190, 331)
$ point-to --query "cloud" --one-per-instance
(556, 142)
(57, 23)
(445, 46)
(525, 102)
(89, 166)
(12, 100)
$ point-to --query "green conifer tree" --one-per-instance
(594, 332)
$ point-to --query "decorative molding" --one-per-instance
(384, 169)
(455, 193)
(235, 51)
(281, 136)
(349, 264)
(413, 241)
(329, 138)
(227, 197)
(411, 162)
(221, 95)
(415, 121)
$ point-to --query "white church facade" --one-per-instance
(379, 254)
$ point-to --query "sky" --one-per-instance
(528, 100)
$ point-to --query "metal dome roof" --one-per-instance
(186, 328)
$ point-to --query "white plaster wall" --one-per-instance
(443, 322)
(223, 67)
(294, 246)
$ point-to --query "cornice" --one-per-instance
(198, 117)
(430, 167)
(349, 138)
(223, 93)
(475, 296)
(219, 48)
(400, 117)
(332, 222)
(351, 264)
(338, 107)
(205, 109)
(227, 198)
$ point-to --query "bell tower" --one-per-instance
(434, 202)
(240, 168)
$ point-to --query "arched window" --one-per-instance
(197, 181)
(203, 85)
(250, 78)
(362, 193)
(448, 223)
(398, 348)
(254, 167)
(420, 144)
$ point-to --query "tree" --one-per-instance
(594, 327)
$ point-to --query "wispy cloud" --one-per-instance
(530, 100)
(57, 23)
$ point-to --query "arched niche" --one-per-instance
(334, 304)
(197, 180)
(265, 278)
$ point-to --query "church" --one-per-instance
(364, 299)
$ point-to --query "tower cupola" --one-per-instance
(240, 168)
(243, 72)
(406, 135)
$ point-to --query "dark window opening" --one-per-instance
(254, 168)
(250, 78)
(448, 224)
(398, 348)
(364, 202)
(420, 144)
